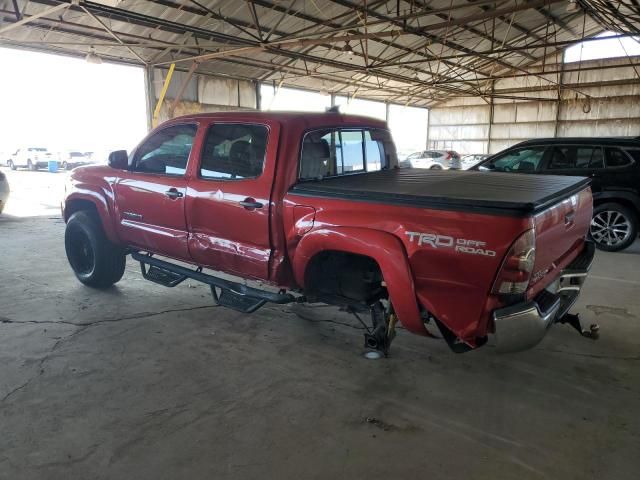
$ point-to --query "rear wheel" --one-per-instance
(435, 167)
(613, 227)
(95, 261)
(11, 165)
(31, 166)
(65, 166)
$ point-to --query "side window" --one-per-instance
(167, 151)
(616, 158)
(590, 157)
(570, 157)
(521, 160)
(234, 151)
(635, 154)
(331, 152)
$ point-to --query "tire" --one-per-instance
(435, 167)
(31, 166)
(64, 165)
(96, 261)
(11, 165)
(613, 227)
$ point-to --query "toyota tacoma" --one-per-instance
(291, 207)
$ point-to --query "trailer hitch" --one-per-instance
(574, 320)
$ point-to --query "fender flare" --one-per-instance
(101, 204)
(386, 249)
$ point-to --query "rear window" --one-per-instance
(331, 152)
(635, 154)
(616, 158)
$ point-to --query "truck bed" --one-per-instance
(486, 192)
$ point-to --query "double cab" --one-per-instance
(293, 207)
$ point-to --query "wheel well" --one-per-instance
(622, 201)
(342, 275)
(74, 206)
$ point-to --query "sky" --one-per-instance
(606, 48)
(408, 125)
(64, 103)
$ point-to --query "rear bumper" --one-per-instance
(522, 326)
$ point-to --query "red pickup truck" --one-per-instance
(315, 208)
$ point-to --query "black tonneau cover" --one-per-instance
(490, 192)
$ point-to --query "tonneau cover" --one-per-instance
(490, 192)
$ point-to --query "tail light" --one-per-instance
(515, 272)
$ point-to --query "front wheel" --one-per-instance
(31, 166)
(435, 167)
(95, 261)
(11, 165)
(613, 227)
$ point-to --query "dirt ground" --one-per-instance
(144, 382)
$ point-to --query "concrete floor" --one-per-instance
(144, 382)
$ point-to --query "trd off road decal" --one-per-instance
(462, 245)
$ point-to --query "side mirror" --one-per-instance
(119, 159)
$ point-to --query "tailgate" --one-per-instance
(560, 234)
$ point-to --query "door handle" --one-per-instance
(250, 204)
(173, 193)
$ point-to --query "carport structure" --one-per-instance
(416, 53)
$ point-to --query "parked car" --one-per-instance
(274, 197)
(31, 158)
(434, 160)
(613, 164)
(75, 159)
(4, 191)
(470, 160)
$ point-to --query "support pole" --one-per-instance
(163, 92)
(428, 127)
(491, 115)
(258, 96)
(149, 94)
(559, 103)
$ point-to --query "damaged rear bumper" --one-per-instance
(522, 326)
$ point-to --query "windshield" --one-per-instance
(37, 149)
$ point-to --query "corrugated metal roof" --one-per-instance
(408, 52)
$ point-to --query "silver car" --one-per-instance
(4, 191)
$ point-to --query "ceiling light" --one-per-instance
(573, 6)
(93, 58)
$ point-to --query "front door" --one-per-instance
(151, 199)
(229, 198)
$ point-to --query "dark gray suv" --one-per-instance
(613, 165)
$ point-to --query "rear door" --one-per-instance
(150, 201)
(229, 198)
(578, 160)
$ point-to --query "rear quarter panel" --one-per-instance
(449, 282)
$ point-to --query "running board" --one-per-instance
(234, 295)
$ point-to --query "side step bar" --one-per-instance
(234, 295)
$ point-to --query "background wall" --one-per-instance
(544, 108)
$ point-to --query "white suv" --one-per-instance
(31, 158)
(434, 160)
